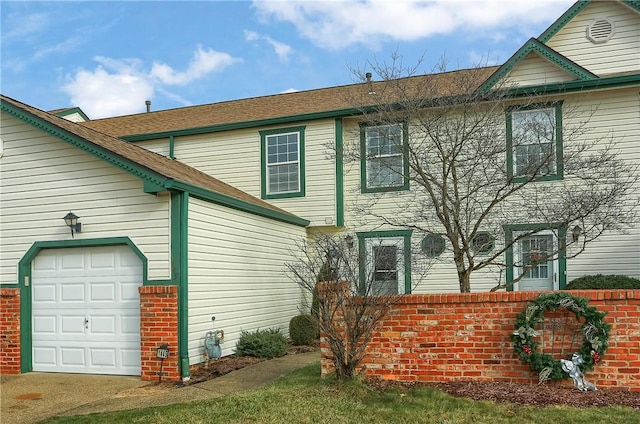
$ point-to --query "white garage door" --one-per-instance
(86, 310)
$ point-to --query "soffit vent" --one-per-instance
(600, 30)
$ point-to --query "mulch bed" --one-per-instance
(543, 395)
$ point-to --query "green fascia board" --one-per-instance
(577, 86)
(563, 20)
(235, 203)
(339, 146)
(88, 147)
(71, 111)
(572, 12)
(547, 53)
(338, 113)
(405, 234)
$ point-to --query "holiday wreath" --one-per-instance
(595, 334)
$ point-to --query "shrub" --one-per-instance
(303, 329)
(599, 281)
(270, 343)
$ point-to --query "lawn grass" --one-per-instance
(303, 397)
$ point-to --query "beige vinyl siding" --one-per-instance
(234, 157)
(616, 116)
(620, 54)
(43, 178)
(535, 70)
(236, 273)
(160, 146)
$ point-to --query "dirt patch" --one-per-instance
(543, 395)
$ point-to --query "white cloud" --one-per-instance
(337, 24)
(202, 63)
(121, 86)
(281, 49)
(101, 93)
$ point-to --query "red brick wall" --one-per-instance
(467, 336)
(159, 325)
(9, 331)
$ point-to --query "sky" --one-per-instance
(109, 57)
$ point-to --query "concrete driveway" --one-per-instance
(32, 397)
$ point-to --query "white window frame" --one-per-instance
(380, 158)
(397, 242)
(271, 162)
(517, 255)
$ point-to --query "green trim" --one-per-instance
(405, 234)
(339, 172)
(363, 160)
(24, 272)
(235, 203)
(563, 20)
(559, 174)
(180, 250)
(172, 147)
(71, 111)
(263, 162)
(88, 147)
(286, 120)
(576, 86)
(548, 53)
(562, 254)
(151, 187)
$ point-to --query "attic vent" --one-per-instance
(600, 30)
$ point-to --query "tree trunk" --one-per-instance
(464, 280)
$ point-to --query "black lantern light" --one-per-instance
(72, 222)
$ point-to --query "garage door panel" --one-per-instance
(103, 292)
(86, 311)
(45, 325)
(45, 293)
(72, 291)
(72, 325)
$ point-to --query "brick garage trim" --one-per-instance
(467, 336)
(159, 325)
(10, 331)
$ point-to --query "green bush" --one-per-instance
(303, 329)
(268, 344)
(599, 281)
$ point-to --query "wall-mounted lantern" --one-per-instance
(349, 241)
(72, 222)
(576, 233)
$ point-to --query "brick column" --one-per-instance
(10, 331)
(159, 325)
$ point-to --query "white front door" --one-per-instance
(535, 254)
(86, 310)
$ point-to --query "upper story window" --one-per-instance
(282, 163)
(534, 142)
(383, 158)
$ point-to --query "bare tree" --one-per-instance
(353, 293)
(479, 160)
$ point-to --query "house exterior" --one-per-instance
(210, 200)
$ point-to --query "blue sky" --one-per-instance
(109, 57)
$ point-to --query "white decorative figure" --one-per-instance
(571, 367)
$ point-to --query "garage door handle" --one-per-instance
(86, 323)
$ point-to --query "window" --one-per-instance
(534, 141)
(482, 243)
(433, 245)
(386, 268)
(282, 160)
(383, 158)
